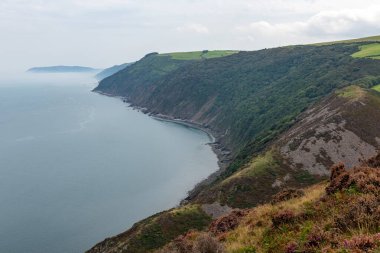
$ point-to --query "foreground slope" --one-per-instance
(339, 216)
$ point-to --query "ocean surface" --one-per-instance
(77, 167)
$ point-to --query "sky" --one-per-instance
(102, 33)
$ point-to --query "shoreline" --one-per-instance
(223, 154)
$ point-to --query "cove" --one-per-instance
(77, 167)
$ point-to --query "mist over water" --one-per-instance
(76, 167)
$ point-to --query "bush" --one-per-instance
(205, 243)
(287, 194)
(362, 242)
(362, 213)
(363, 179)
(227, 223)
(283, 217)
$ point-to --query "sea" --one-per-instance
(77, 167)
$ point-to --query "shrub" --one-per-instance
(227, 223)
(283, 217)
(316, 237)
(361, 213)
(287, 194)
(363, 179)
(362, 242)
(205, 243)
(291, 247)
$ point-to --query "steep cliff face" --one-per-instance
(243, 97)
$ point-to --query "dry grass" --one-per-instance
(255, 225)
(339, 216)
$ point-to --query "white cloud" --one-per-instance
(194, 28)
(342, 23)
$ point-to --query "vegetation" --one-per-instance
(366, 39)
(368, 51)
(350, 92)
(376, 87)
(339, 216)
(343, 220)
(199, 55)
(156, 231)
(247, 98)
(257, 178)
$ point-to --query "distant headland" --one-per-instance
(62, 69)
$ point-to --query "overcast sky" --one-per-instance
(101, 33)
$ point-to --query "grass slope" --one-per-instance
(343, 220)
(156, 231)
(368, 51)
(366, 39)
(376, 88)
(199, 55)
(339, 216)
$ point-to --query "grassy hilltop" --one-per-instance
(199, 55)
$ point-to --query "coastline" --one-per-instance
(222, 153)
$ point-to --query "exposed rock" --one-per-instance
(216, 210)
(280, 182)
(331, 132)
(331, 143)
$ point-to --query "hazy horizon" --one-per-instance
(101, 33)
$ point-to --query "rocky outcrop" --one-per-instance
(329, 133)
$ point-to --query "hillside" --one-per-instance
(343, 127)
(110, 71)
(341, 215)
(61, 69)
(287, 114)
(366, 39)
(244, 97)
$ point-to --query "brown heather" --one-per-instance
(339, 216)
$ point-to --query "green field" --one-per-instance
(368, 51)
(198, 55)
(376, 88)
(366, 39)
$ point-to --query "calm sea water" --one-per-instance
(76, 167)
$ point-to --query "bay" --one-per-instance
(77, 167)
